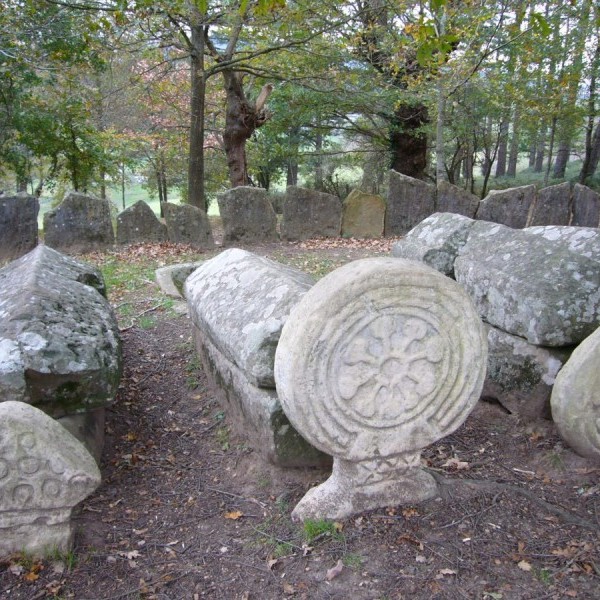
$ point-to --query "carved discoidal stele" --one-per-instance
(381, 357)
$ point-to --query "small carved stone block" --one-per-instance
(378, 360)
(44, 473)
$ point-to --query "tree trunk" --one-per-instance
(540, 151)
(550, 150)
(292, 171)
(513, 153)
(408, 141)
(242, 118)
(592, 139)
(562, 158)
(197, 102)
(532, 153)
(440, 160)
(319, 178)
(502, 150)
(594, 154)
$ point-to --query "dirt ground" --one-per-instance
(187, 509)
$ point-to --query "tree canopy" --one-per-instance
(206, 94)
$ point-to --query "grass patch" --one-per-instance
(319, 528)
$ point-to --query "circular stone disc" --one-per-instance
(380, 357)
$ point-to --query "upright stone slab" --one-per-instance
(584, 241)
(308, 214)
(363, 215)
(247, 216)
(59, 340)
(238, 302)
(529, 286)
(552, 206)
(453, 199)
(381, 358)
(520, 375)
(586, 207)
(138, 224)
(187, 224)
(44, 473)
(508, 207)
(576, 399)
(80, 223)
(409, 202)
(435, 241)
(18, 225)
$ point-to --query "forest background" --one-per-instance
(181, 99)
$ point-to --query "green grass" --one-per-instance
(314, 529)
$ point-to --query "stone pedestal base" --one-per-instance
(358, 486)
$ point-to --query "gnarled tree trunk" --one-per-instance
(242, 118)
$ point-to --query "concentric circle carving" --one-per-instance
(380, 357)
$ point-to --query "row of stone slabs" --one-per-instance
(83, 223)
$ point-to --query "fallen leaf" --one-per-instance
(524, 566)
(16, 570)
(410, 512)
(306, 549)
(335, 571)
(420, 558)
(289, 589)
(454, 463)
(130, 554)
(31, 576)
(271, 563)
(234, 515)
(444, 573)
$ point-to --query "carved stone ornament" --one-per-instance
(44, 473)
(380, 358)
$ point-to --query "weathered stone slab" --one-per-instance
(308, 214)
(529, 286)
(171, 279)
(435, 241)
(187, 224)
(508, 207)
(59, 340)
(255, 413)
(247, 215)
(584, 241)
(44, 473)
(586, 207)
(409, 202)
(241, 301)
(79, 223)
(453, 199)
(576, 398)
(552, 206)
(18, 225)
(363, 215)
(138, 224)
(379, 359)
(520, 375)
